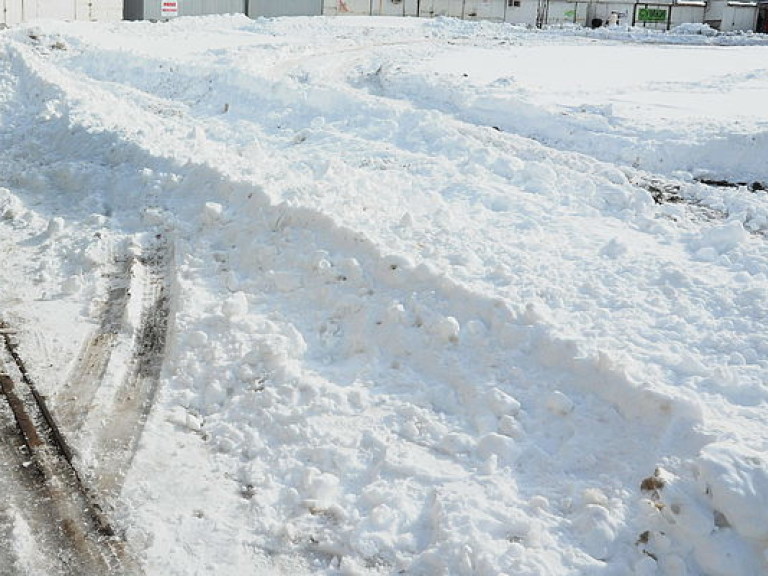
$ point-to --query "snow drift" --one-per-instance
(445, 300)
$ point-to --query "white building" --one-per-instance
(732, 15)
(725, 15)
(657, 14)
(16, 11)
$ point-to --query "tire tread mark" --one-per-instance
(74, 401)
(133, 400)
(74, 509)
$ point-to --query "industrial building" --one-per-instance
(724, 15)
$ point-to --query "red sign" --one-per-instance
(169, 8)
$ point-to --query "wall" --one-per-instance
(492, 10)
(468, 9)
(151, 9)
(561, 12)
(525, 13)
(270, 8)
(452, 8)
(555, 12)
(738, 18)
(713, 14)
(687, 15)
(603, 10)
(390, 8)
(17, 11)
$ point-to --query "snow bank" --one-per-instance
(428, 316)
(694, 28)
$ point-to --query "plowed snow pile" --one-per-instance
(447, 297)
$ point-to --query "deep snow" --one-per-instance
(428, 318)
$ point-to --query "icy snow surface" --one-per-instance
(428, 318)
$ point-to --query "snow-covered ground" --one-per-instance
(427, 315)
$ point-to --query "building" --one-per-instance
(732, 15)
(659, 14)
(725, 15)
(16, 11)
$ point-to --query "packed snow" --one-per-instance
(448, 297)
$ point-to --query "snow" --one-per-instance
(427, 316)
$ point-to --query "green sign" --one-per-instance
(652, 15)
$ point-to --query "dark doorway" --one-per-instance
(762, 20)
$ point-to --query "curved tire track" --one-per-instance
(39, 481)
(116, 442)
(65, 518)
(74, 401)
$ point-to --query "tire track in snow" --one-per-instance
(24, 503)
(115, 443)
(134, 396)
(73, 401)
(135, 319)
(72, 512)
(138, 295)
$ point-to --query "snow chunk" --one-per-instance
(723, 238)
(502, 403)
(11, 207)
(457, 443)
(737, 477)
(446, 329)
(55, 226)
(320, 488)
(596, 527)
(509, 426)
(235, 306)
(212, 213)
(502, 447)
(559, 403)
